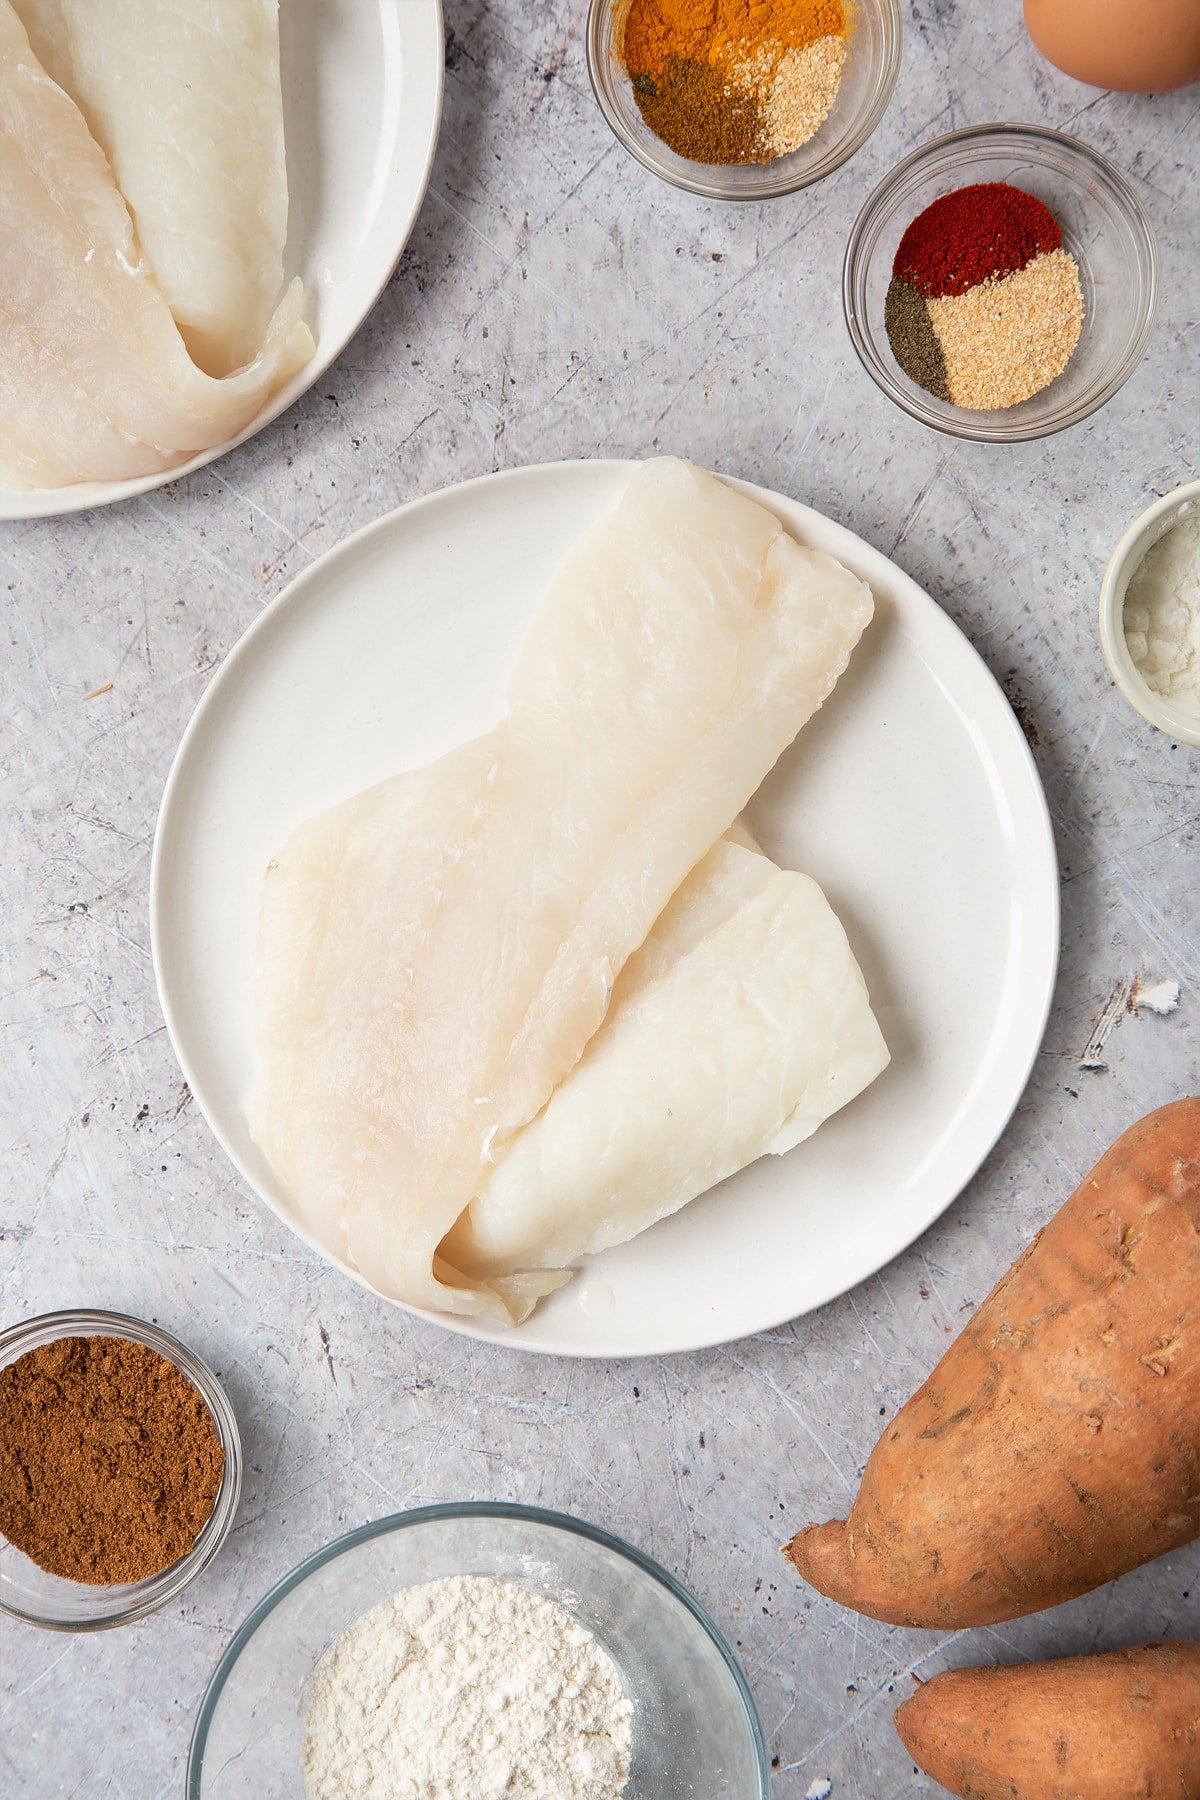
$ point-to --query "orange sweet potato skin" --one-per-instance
(1123, 1726)
(1057, 1443)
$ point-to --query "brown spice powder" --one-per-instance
(110, 1462)
(696, 113)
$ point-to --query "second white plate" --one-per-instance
(362, 100)
(912, 798)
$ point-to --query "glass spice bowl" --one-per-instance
(39, 1598)
(696, 1732)
(868, 81)
(1103, 227)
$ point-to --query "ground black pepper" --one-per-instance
(913, 339)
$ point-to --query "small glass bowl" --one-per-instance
(1103, 227)
(868, 80)
(696, 1734)
(33, 1594)
(1146, 530)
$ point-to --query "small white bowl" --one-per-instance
(1153, 524)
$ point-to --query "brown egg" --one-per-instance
(1141, 46)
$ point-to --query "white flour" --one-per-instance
(467, 1689)
(1162, 616)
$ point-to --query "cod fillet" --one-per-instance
(434, 954)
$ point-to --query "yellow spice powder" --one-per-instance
(717, 30)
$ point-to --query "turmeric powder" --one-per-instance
(734, 80)
(702, 30)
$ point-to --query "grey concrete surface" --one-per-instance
(555, 302)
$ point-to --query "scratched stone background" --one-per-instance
(555, 301)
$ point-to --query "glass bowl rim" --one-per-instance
(1002, 131)
(892, 16)
(392, 1523)
(156, 1590)
(1131, 547)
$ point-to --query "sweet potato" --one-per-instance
(1123, 1726)
(1057, 1443)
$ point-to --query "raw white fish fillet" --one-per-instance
(436, 952)
(740, 1025)
(184, 98)
(95, 381)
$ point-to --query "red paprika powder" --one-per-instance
(977, 233)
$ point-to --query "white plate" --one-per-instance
(912, 798)
(362, 99)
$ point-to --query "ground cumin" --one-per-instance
(109, 1459)
(734, 81)
(688, 108)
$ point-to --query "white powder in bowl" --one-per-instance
(467, 1688)
(1162, 616)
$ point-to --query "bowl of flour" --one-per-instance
(478, 1652)
(1150, 614)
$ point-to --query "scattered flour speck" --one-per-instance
(467, 1688)
(1161, 997)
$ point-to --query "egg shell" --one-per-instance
(1138, 46)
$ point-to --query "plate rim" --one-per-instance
(18, 504)
(1048, 942)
